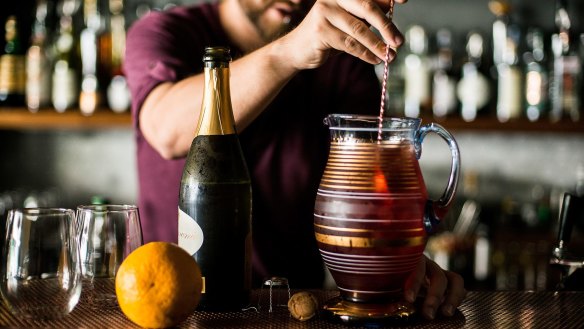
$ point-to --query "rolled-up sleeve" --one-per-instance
(152, 57)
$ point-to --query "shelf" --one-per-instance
(48, 119)
(512, 126)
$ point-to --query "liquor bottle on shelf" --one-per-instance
(501, 9)
(89, 96)
(536, 76)
(118, 94)
(65, 78)
(473, 89)
(444, 100)
(581, 47)
(567, 70)
(505, 56)
(417, 73)
(38, 62)
(214, 221)
(12, 67)
(509, 86)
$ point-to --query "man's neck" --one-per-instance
(238, 26)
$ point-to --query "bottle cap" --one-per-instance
(217, 54)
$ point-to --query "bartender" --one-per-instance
(295, 61)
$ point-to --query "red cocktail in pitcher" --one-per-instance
(372, 212)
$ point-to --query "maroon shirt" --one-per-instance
(286, 147)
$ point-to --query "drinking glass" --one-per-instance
(40, 270)
(107, 235)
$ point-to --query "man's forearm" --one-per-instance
(170, 112)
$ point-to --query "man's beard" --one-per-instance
(270, 30)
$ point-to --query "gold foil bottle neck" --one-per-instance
(216, 116)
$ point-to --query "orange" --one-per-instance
(158, 285)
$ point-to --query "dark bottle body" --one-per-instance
(216, 192)
(214, 222)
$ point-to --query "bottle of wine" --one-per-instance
(89, 38)
(444, 100)
(38, 62)
(214, 221)
(118, 93)
(12, 67)
(509, 82)
(473, 89)
(417, 73)
(505, 56)
(65, 72)
(536, 76)
(567, 68)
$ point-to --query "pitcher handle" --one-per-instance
(436, 210)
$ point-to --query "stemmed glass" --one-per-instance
(107, 235)
(40, 269)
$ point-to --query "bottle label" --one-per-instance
(190, 234)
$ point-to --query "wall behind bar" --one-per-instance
(461, 15)
(82, 164)
(507, 164)
(72, 166)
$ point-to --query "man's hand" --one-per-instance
(343, 25)
(444, 289)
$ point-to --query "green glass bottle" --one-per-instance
(214, 222)
(12, 70)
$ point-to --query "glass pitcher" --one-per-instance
(372, 212)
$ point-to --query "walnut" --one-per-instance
(303, 305)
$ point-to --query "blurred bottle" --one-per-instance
(509, 87)
(89, 96)
(38, 62)
(536, 76)
(118, 93)
(536, 209)
(501, 10)
(473, 89)
(564, 87)
(99, 200)
(444, 100)
(579, 188)
(12, 66)
(505, 56)
(581, 47)
(482, 255)
(104, 47)
(417, 73)
(65, 72)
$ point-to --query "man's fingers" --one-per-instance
(349, 34)
(415, 281)
(455, 293)
(356, 19)
(436, 289)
